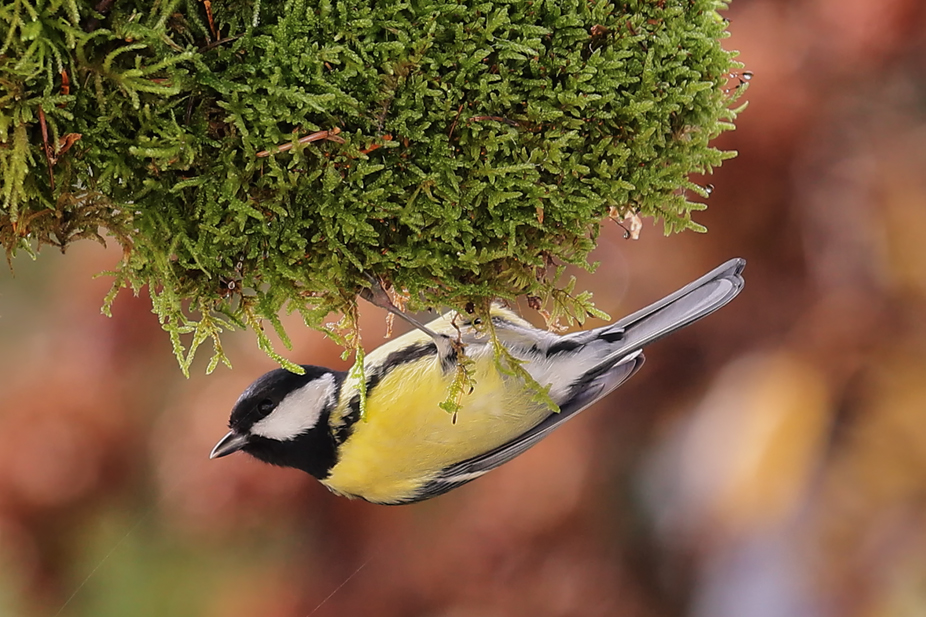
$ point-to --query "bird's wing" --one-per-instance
(470, 469)
(592, 363)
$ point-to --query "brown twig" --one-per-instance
(212, 29)
(215, 44)
(317, 136)
(47, 148)
(65, 86)
(454, 125)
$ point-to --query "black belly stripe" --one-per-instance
(396, 358)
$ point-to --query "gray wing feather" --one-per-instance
(470, 469)
(622, 358)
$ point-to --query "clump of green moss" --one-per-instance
(462, 152)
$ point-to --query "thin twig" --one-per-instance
(208, 5)
(317, 136)
(47, 148)
(219, 42)
(454, 125)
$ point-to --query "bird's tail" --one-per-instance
(687, 305)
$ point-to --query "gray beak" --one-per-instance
(229, 444)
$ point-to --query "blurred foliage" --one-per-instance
(254, 157)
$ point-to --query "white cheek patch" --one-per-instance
(299, 411)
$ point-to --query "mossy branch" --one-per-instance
(480, 146)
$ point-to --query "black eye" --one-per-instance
(265, 407)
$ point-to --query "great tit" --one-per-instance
(406, 448)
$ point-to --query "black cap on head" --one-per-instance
(262, 396)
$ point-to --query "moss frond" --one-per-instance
(481, 145)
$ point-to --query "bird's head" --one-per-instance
(282, 419)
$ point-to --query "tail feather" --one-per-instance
(687, 305)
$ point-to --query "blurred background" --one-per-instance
(768, 462)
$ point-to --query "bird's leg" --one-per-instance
(448, 350)
(377, 296)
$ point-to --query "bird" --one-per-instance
(400, 447)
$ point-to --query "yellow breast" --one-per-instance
(405, 438)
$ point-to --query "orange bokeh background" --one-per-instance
(768, 461)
